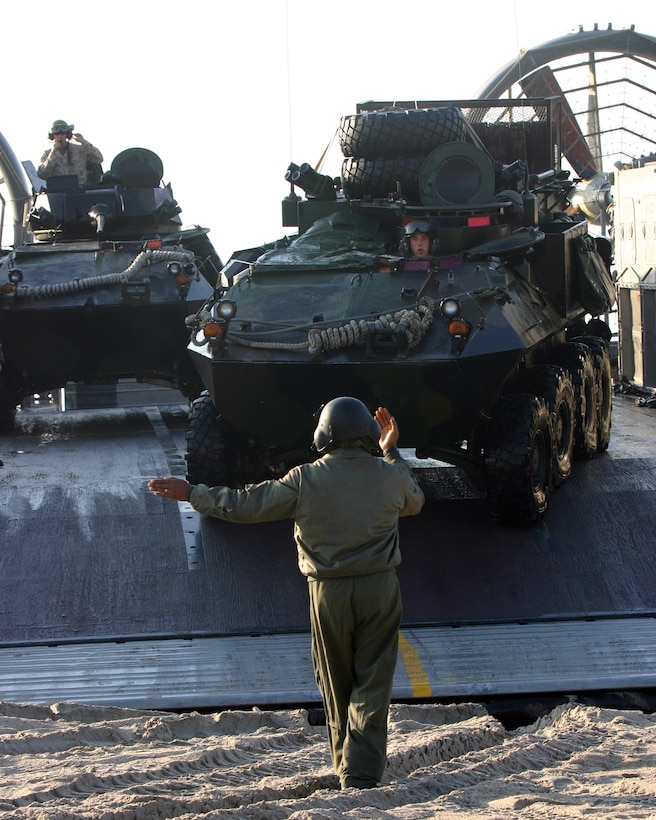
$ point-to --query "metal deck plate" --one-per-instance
(443, 662)
(109, 595)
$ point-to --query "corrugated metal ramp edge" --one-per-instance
(434, 662)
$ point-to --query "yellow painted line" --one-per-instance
(412, 662)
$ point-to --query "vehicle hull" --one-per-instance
(96, 334)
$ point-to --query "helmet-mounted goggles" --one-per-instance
(417, 226)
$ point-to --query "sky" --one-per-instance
(229, 93)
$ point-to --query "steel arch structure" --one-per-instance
(608, 79)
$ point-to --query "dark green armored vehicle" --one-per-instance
(489, 345)
(97, 281)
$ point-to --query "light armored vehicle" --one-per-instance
(97, 281)
(492, 351)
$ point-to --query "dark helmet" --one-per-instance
(345, 419)
(60, 127)
(418, 226)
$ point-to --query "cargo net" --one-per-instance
(520, 111)
(413, 322)
(144, 259)
(510, 132)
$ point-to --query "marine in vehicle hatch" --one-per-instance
(66, 158)
(417, 240)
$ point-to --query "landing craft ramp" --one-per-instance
(109, 595)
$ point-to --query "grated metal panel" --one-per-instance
(441, 662)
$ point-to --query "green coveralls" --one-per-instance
(346, 507)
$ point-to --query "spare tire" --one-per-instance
(378, 134)
(380, 177)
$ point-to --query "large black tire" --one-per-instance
(206, 458)
(380, 134)
(604, 385)
(519, 457)
(554, 385)
(378, 178)
(577, 359)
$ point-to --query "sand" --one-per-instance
(77, 761)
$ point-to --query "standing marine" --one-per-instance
(346, 507)
(66, 158)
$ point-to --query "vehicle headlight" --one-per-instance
(450, 307)
(224, 310)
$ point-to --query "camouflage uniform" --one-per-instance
(74, 159)
(346, 508)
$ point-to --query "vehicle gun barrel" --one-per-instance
(99, 214)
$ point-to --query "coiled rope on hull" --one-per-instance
(413, 321)
(143, 259)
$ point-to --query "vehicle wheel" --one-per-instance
(380, 177)
(604, 383)
(519, 459)
(416, 132)
(576, 358)
(554, 385)
(206, 459)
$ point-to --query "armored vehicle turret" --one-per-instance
(98, 280)
(490, 346)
